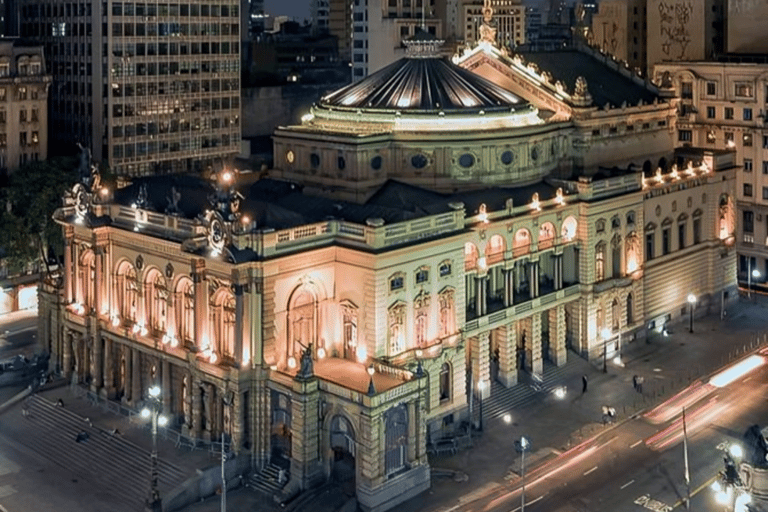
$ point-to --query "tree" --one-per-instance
(30, 196)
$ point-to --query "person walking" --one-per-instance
(634, 382)
(584, 383)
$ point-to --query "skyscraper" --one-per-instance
(151, 88)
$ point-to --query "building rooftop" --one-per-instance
(605, 83)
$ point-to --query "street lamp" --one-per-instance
(691, 305)
(606, 333)
(522, 446)
(754, 273)
(152, 411)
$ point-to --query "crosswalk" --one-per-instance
(506, 400)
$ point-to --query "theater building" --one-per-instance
(418, 224)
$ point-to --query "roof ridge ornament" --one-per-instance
(581, 96)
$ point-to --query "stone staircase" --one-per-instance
(526, 392)
(117, 466)
(267, 480)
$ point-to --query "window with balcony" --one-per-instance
(748, 220)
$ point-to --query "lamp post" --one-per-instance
(691, 305)
(524, 445)
(152, 411)
(606, 333)
(227, 401)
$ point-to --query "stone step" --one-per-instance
(266, 480)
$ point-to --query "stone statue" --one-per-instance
(173, 202)
(756, 447)
(488, 28)
(581, 96)
(142, 200)
(305, 370)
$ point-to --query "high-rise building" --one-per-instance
(619, 28)
(320, 11)
(722, 105)
(509, 18)
(23, 104)
(151, 88)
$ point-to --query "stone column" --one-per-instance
(480, 295)
(306, 464)
(108, 377)
(98, 358)
(534, 277)
(506, 338)
(558, 272)
(98, 280)
(481, 363)
(509, 287)
(206, 410)
(66, 358)
(135, 376)
(557, 351)
(167, 388)
(239, 324)
(537, 364)
(201, 301)
(236, 420)
(69, 279)
(127, 385)
(194, 392)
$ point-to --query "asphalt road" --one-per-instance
(639, 465)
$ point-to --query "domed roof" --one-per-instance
(429, 84)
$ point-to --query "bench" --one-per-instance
(443, 446)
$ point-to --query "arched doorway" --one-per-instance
(280, 438)
(343, 462)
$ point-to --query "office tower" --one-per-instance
(619, 29)
(23, 104)
(509, 18)
(150, 88)
(320, 12)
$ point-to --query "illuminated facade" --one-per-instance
(149, 88)
(24, 87)
(347, 315)
(509, 17)
(722, 106)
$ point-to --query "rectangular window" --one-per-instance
(765, 166)
(649, 246)
(22, 93)
(711, 88)
(396, 283)
(728, 138)
(747, 114)
(666, 241)
(728, 112)
(746, 140)
(765, 141)
(765, 193)
(422, 276)
(711, 112)
(747, 190)
(696, 231)
(681, 236)
(685, 136)
(22, 116)
(2, 93)
(687, 90)
(747, 165)
(743, 89)
(748, 218)
(600, 264)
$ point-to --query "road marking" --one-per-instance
(627, 484)
(697, 491)
(529, 503)
(637, 443)
(6, 490)
(589, 471)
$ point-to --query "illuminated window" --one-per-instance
(396, 328)
(22, 93)
(157, 301)
(185, 310)
(223, 320)
(447, 313)
(600, 262)
(445, 382)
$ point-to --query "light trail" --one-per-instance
(674, 406)
(695, 420)
(738, 370)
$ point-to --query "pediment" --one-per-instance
(504, 72)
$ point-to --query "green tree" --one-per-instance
(28, 198)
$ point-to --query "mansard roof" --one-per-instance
(429, 84)
(607, 83)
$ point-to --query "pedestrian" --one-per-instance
(634, 382)
(583, 383)
(281, 476)
(640, 384)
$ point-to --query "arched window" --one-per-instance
(600, 261)
(616, 257)
(568, 231)
(630, 310)
(185, 310)
(223, 322)
(87, 278)
(126, 289)
(445, 382)
(522, 242)
(396, 328)
(342, 435)
(447, 314)
(156, 300)
(615, 315)
(395, 439)
(302, 323)
(349, 313)
(421, 311)
(494, 251)
(470, 256)
(546, 235)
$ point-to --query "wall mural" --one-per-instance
(673, 28)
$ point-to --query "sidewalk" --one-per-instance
(667, 365)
